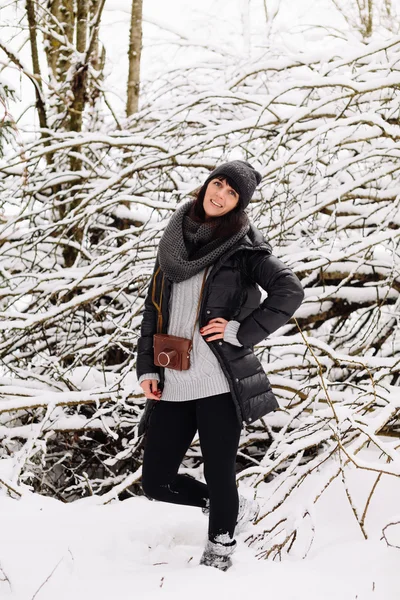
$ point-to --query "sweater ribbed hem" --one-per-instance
(191, 390)
(230, 333)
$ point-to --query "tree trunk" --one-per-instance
(40, 106)
(52, 44)
(134, 54)
(79, 82)
(369, 24)
(60, 18)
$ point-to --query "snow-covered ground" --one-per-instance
(142, 549)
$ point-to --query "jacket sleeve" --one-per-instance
(285, 294)
(145, 353)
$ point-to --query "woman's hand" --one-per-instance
(151, 391)
(216, 326)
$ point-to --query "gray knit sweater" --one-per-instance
(205, 376)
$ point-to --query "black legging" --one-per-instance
(171, 429)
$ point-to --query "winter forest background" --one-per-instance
(109, 118)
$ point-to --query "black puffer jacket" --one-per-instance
(231, 292)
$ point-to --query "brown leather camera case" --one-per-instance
(172, 351)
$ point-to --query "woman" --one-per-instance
(210, 241)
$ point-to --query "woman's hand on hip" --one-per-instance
(151, 391)
(216, 327)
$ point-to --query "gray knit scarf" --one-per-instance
(186, 247)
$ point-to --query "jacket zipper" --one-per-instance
(215, 352)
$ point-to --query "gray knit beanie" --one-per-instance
(245, 177)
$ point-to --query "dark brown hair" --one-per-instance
(228, 224)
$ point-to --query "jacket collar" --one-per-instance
(252, 240)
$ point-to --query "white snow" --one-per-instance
(139, 548)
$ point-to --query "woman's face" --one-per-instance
(219, 198)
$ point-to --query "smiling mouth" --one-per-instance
(215, 204)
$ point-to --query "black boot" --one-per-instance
(218, 554)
